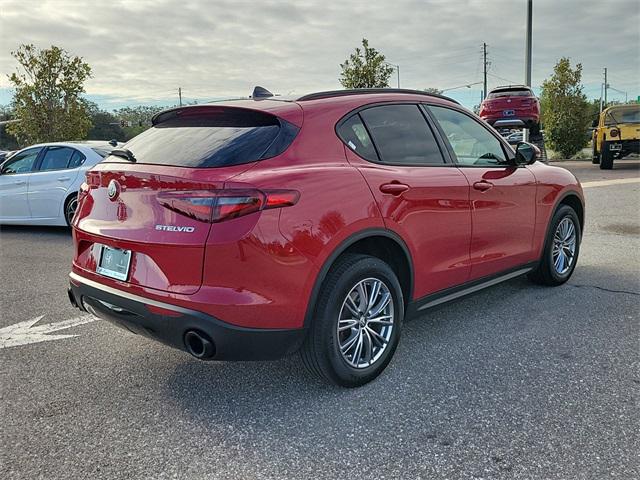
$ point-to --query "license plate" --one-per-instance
(508, 113)
(114, 262)
(615, 147)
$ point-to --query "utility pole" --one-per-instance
(527, 61)
(484, 55)
(180, 95)
(606, 86)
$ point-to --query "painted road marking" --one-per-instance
(606, 183)
(27, 332)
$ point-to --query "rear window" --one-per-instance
(523, 92)
(623, 115)
(211, 137)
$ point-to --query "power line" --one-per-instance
(513, 82)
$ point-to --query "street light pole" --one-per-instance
(397, 67)
(527, 62)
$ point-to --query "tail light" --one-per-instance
(215, 206)
(614, 132)
(83, 191)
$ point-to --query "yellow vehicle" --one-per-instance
(616, 134)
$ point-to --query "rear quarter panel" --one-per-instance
(335, 203)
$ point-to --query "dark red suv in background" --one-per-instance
(512, 102)
(253, 229)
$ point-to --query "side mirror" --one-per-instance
(526, 153)
(595, 122)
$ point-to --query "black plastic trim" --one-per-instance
(370, 232)
(368, 91)
(468, 288)
(130, 312)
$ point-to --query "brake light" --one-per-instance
(93, 179)
(215, 206)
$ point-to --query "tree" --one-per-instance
(565, 110)
(437, 91)
(48, 84)
(365, 69)
(106, 126)
(139, 117)
(7, 141)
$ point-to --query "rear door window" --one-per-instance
(57, 158)
(211, 137)
(402, 135)
(353, 132)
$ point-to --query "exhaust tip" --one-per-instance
(199, 345)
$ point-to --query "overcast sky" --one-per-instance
(141, 51)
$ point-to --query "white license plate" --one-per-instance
(508, 113)
(615, 147)
(113, 262)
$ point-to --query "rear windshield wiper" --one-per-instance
(123, 153)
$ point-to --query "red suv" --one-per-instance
(253, 229)
(512, 102)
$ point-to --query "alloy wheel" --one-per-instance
(72, 205)
(564, 246)
(365, 323)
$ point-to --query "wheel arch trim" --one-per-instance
(340, 249)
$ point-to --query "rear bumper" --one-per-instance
(168, 323)
(625, 147)
(528, 120)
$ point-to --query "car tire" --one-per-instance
(595, 156)
(563, 238)
(606, 157)
(534, 131)
(70, 205)
(349, 351)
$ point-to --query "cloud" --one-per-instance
(144, 50)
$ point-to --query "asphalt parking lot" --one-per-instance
(515, 382)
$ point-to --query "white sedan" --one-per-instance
(39, 184)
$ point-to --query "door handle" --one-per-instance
(19, 182)
(394, 188)
(63, 179)
(483, 186)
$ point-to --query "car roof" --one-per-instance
(629, 106)
(369, 91)
(291, 108)
(84, 146)
(79, 143)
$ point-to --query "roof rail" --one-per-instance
(368, 91)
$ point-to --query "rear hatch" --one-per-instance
(509, 99)
(146, 211)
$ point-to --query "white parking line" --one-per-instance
(27, 332)
(606, 183)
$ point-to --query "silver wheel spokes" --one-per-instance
(365, 323)
(71, 209)
(564, 246)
